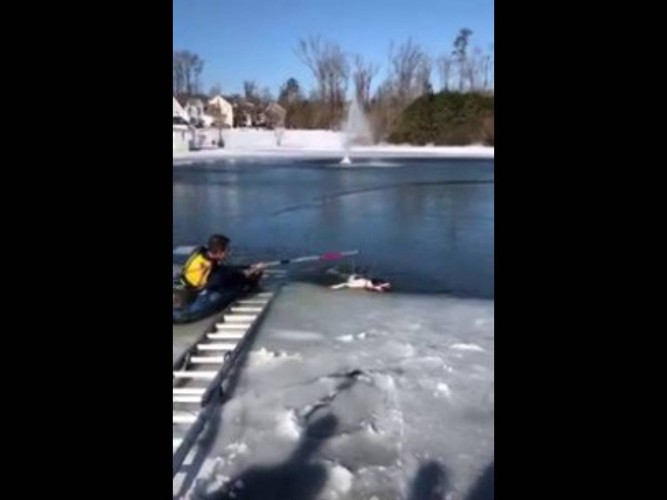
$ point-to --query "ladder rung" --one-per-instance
(225, 336)
(221, 346)
(189, 390)
(192, 374)
(184, 418)
(236, 326)
(236, 318)
(186, 399)
(251, 302)
(244, 309)
(202, 360)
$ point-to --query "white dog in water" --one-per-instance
(360, 282)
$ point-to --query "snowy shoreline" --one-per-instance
(317, 144)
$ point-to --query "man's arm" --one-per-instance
(225, 277)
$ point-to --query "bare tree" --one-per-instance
(385, 109)
(477, 69)
(275, 115)
(362, 77)
(266, 96)
(197, 68)
(461, 53)
(187, 68)
(488, 67)
(179, 74)
(471, 70)
(445, 67)
(311, 53)
(329, 66)
(279, 132)
(423, 77)
(290, 92)
(215, 90)
(250, 90)
(275, 120)
(338, 73)
(407, 63)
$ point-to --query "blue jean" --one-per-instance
(206, 303)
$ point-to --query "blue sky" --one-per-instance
(255, 39)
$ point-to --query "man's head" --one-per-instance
(218, 247)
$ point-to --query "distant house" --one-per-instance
(220, 108)
(243, 111)
(179, 111)
(259, 120)
(182, 130)
(194, 108)
(195, 111)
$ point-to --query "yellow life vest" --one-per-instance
(197, 269)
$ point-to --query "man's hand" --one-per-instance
(255, 269)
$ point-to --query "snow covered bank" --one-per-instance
(351, 395)
(316, 144)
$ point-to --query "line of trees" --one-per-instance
(187, 69)
(409, 74)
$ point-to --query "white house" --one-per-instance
(224, 108)
(179, 111)
(182, 130)
(195, 109)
